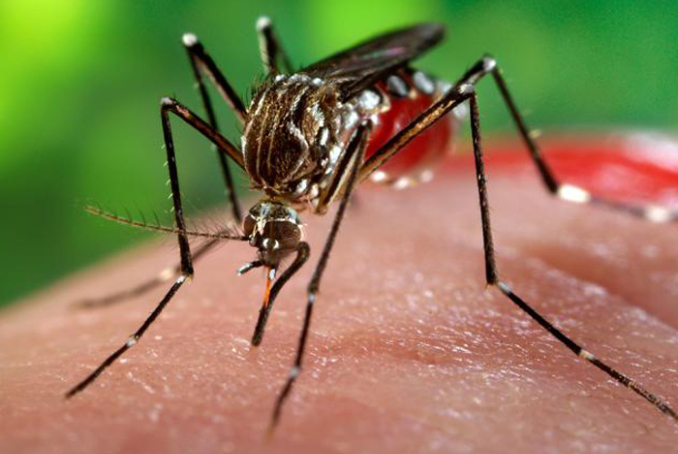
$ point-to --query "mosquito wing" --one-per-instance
(357, 68)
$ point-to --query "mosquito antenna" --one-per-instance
(224, 235)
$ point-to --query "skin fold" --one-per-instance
(408, 351)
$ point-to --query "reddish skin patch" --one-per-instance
(422, 152)
(408, 351)
(636, 169)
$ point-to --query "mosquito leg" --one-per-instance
(184, 250)
(164, 276)
(224, 147)
(134, 338)
(170, 105)
(492, 275)
(337, 183)
(324, 199)
(571, 193)
(453, 98)
(303, 252)
(271, 49)
(201, 60)
(358, 143)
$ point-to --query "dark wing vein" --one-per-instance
(357, 68)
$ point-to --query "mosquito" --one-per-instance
(310, 137)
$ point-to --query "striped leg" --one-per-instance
(571, 193)
(456, 96)
(357, 148)
(200, 62)
(168, 106)
(270, 48)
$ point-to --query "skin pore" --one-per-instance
(408, 351)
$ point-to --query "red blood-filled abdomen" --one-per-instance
(421, 153)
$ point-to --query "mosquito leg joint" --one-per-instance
(489, 63)
(189, 40)
(585, 354)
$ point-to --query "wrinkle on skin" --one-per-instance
(408, 351)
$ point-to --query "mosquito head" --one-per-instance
(274, 229)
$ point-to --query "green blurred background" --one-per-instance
(80, 82)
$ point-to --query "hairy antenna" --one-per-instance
(223, 235)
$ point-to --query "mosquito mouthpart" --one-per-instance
(270, 276)
(248, 266)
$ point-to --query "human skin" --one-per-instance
(409, 350)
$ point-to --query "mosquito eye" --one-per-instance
(286, 233)
(248, 225)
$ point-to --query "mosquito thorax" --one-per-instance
(274, 229)
(292, 135)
